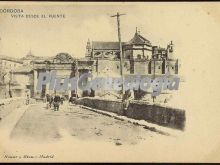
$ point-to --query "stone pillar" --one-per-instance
(47, 86)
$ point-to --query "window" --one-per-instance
(138, 56)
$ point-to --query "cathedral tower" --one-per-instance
(88, 49)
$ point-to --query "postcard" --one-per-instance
(109, 81)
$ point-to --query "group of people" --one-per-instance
(55, 101)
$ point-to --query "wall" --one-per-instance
(3, 92)
(141, 67)
(8, 105)
(10, 65)
(141, 50)
(165, 116)
(158, 66)
(112, 67)
(97, 103)
(7, 66)
(22, 79)
(170, 66)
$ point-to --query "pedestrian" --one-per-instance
(129, 96)
(47, 97)
(50, 101)
(56, 103)
(27, 99)
(62, 100)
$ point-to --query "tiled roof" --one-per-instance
(138, 39)
(99, 45)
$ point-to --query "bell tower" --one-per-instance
(170, 50)
(88, 49)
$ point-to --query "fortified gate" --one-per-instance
(65, 66)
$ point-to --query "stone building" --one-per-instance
(101, 59)
(140, 57)
(65, 66)
(23, 76)
(61, 63)
(7, 65)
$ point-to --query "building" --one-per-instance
(101, 59)
(140, 57)
(7, 64)
(30, 58)
(61, 63)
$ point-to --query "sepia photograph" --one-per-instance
(109, 81)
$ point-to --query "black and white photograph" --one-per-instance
(109, 81)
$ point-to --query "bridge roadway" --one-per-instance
(41, 124)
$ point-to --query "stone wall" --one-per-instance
(4, 92)
(161, 115)
(8, 105)
(112, 68)
(102, 104)
(165, 116)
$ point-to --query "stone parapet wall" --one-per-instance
(8, 105)
(11, 104)
(103, 104)
(161, 115)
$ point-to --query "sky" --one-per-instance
(159, 23)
